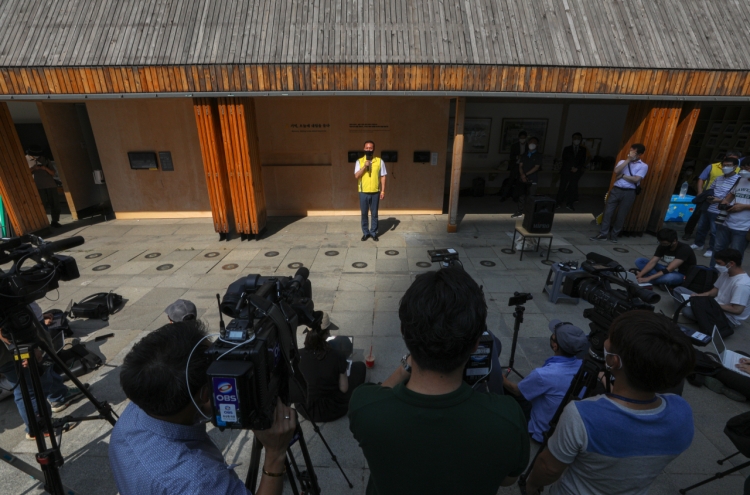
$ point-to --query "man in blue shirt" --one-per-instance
(629, 173)
(544, 388)
(160, 446)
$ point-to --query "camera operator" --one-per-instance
(59, 395)
(425, 430)
(676, 261)
(620, 442)
(330, 381)
(160, 444)
(541, 392)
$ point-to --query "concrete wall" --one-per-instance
(73, 163)
(154, 125)
(305, 169)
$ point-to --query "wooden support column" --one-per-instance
(458, 150)
(680, 143)
(240, 139)
(214, 163)
(654, 124)
(17, 188)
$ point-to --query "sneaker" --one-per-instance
(695, 246)
(600, 237)
(716, 386)
(662, 287)
(65, 428)
(613, 240)
(516, 215)
(708, 254)
(73, 394)
(570, 207)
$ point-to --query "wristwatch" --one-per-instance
(404, 362)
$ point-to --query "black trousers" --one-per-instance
(708, 313)
(568, 191)
(693, 220)
(49, 200)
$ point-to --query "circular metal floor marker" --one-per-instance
(621, 250)
(163, 268)
(271, 254)
(391, 252)
(423, 264)
(153, 255)
(359, 264)
(101, 268)
(212, 254)
(295, 265)
(93, 256)
(230, 266)
(508, 251)
(548, 262)
(565, 250)
(332, 253)
(487, 263)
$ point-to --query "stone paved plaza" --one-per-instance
(192, 264)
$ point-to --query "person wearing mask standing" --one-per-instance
(517, 149)
(529, 165)
(721, 186)
(370, 174)
(733, 232)
(573, 160)
(629, 172)
(44, 173)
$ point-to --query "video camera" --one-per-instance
(594, 285)
(255, 359)
(23, 284)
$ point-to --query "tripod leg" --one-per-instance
(251, 481)
(308, 462)
(316, 429)
(722, 461)
(290, 474)
(715, 477)
(22, 466)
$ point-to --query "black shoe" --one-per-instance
(374, 238)
(56, 225)
(600, 237)
(364, 237)
(613, 240)
(516, 215)
(570, 207)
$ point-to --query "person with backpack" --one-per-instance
(732, 233)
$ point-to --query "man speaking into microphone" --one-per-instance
(370, 174)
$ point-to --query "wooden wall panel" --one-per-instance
(240, 140)
(17, 188)
(214, 163)
(371, 77)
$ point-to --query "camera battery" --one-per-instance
(230, 381)
(480, 362)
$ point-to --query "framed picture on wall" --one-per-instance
(593, 145)
(477, 135)
(511, 127)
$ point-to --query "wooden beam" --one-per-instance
(458, 150)
(17, 187)
(678, 150)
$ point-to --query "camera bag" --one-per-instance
(79, 359)
(700, 279)
(100, 306)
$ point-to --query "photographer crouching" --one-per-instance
(160, 444)
(620, 442)
(330, 381)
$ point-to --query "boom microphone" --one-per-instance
(61, 245)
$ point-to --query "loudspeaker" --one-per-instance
(538, 214)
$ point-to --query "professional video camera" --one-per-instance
(594, 285)
(256, 355)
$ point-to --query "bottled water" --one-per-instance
(684, 189)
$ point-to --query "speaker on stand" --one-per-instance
(539, 213)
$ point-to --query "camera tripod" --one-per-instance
(518, 300)
(308, 480)
(50, 459)
(584, 384)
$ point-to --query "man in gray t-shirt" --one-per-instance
(44, 173)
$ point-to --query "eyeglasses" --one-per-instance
(606, 354)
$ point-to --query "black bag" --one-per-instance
(708, 313)
(700, 279)
(79, 360)
(638, 188)
(738, 431)
(708, 364)
(99, 306)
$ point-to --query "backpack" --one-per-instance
(79, 360)
(700, 279)
(99, 306)
(709, 364)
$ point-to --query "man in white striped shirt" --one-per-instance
(721, 186)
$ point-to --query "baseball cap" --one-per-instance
(180, 310)
(570, 338)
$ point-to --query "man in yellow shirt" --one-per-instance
(370, 174)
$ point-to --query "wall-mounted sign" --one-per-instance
(309, 127)
(389, 156)
(142, 160)
(421, 157)
(433, 158)
(165, 158)
(353, 156)
(368, 127)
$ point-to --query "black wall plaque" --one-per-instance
(165, 158)
(389, 156)
(143, 160)
(421, 157)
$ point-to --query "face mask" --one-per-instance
(521, 140)
(532, 147)
(721, 269)
(727, 170)
(745, 174)
(576, 142)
